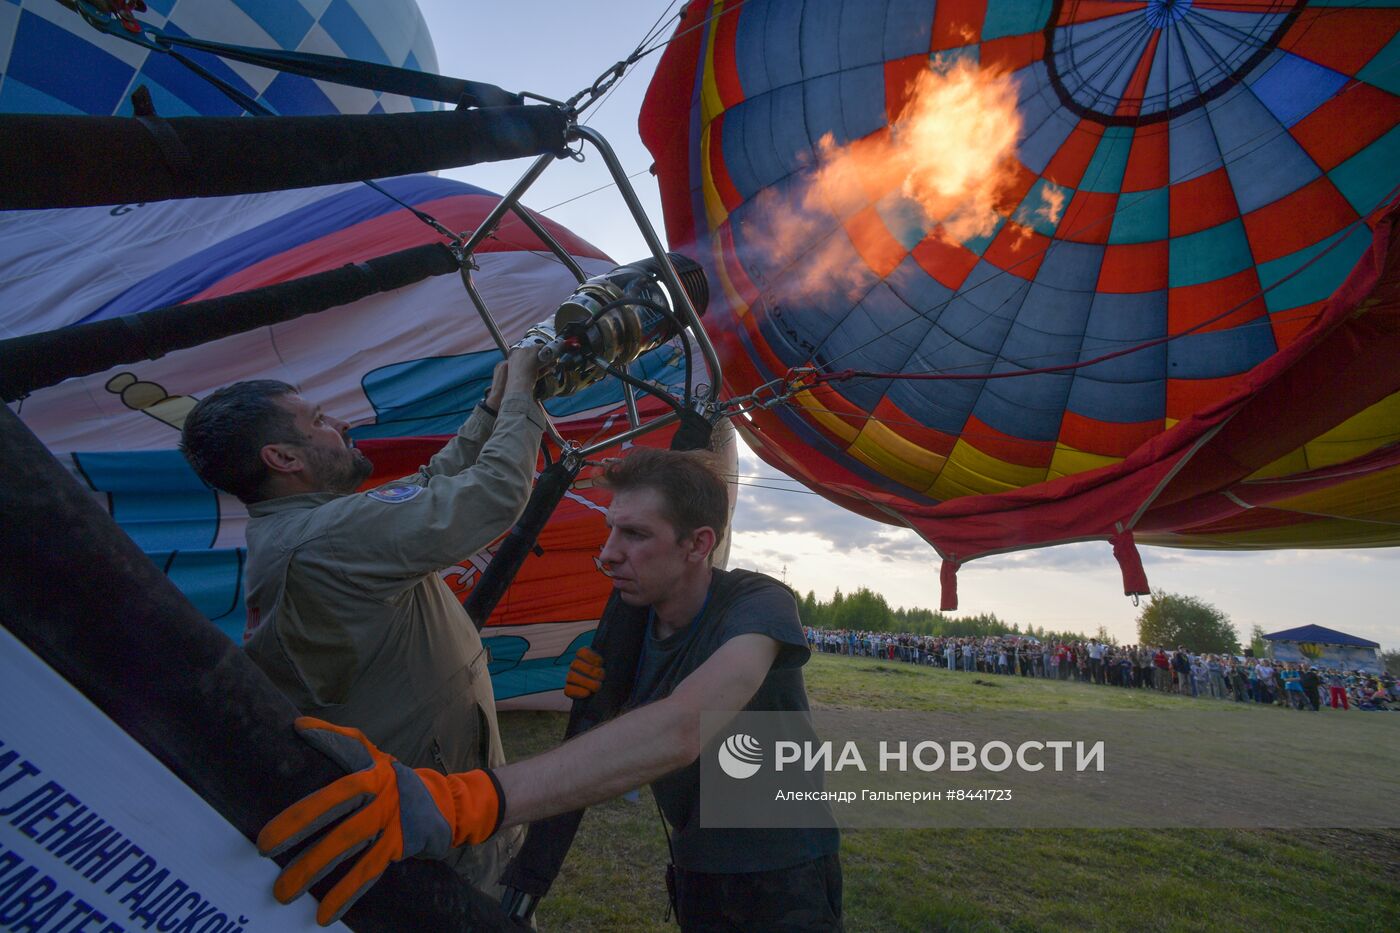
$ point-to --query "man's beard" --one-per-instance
(340, 472)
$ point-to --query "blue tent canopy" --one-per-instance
(1321, 635)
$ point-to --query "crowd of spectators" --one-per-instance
(1299, 686)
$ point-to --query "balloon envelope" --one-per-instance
(1153, 332)
(404, 368)
(52, 61)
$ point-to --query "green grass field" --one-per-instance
(1188, 879)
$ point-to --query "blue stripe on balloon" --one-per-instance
(343, 24)
(195, 273)
(202, 95)
(1045, 124)
(1382, 71)
(904, 219)
(751, 58)
(917, 288)
(1071, 266)
(155, 497)
(1141, 217)
(197, 97)
(212, 581)
(985, 308)
(18, 97)
(908, 28)
(1191, 147)
(1014, 17)
(1220, 353)
(1105, 170)
(863, 100)
(734, 142)
(1034, 207)
(819, 26)
(290, 94)
(978, 244)
(1128, 388)
(777, 48)
(1294, 87)
(789, 129)
(1208, 255)
(862, 33)
(1264, 162)
(90, 81)
(1369, 178)
(1104, 56)
(287, 23)
(1319, 279)
(821, 101)
(1028, 407)
(947, 409)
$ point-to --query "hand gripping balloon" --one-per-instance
(392, 810)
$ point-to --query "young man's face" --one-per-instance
(642, 554)
(332, 464)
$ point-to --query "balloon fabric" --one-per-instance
(1160, 303)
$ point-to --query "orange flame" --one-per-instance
(945, 160)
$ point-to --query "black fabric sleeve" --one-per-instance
(769, 611)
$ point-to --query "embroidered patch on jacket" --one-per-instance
(400, 492)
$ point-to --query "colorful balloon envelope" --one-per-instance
(1166, 309)
(405, 368)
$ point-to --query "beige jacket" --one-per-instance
(355, 625)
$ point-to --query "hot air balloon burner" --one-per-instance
(611, 320)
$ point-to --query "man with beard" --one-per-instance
(347, 613)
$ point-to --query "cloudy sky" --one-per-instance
(554, 48)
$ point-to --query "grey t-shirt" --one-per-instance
(739, 603)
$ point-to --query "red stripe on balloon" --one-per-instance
(1133, 268)
(1088, 12)
(1106, 438)
(874, 242)
(389, 233)
(906, 426)
(1364, 112)
(948, 263)
(1289, 324)
(719, 173)
(899, 82)
(1067, 165)
(1011, 53)
(1293, 222)
(1130, 100)
(1005, 447)
(725, 66)
(956, 23)
(1201, 203)
(1148, 158)
(1017, 249)
(1187, 397)
(1189, 306)
(1088, 218)
(1343, 40)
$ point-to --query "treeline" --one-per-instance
(868, 611)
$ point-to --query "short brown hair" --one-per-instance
(691, 483)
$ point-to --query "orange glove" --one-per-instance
(403, 812)
(585, 674)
